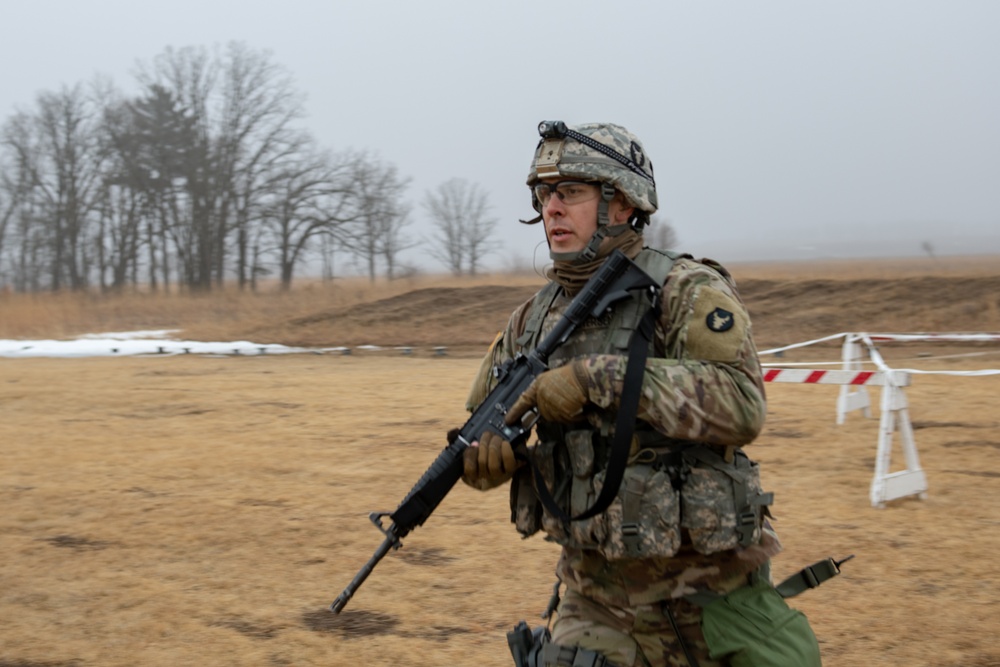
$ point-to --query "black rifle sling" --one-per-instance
(628, 407)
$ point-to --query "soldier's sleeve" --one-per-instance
(482, 383)
(706, 382)
(499, 352)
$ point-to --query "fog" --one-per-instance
(777, 129)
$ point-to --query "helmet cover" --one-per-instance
(595, 152)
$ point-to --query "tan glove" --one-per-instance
(559, 394)
(489, 464)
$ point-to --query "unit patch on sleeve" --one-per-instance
(717, 328)
(720, 320)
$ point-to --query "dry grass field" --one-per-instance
(198, 510)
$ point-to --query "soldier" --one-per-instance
(686, 529)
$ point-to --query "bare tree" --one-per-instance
(13, 190)
(236, 111)
(23, 244)
(59, 162)
(459, 210)
(200, 175)
(391, 241)
(119, 236)
(259, 107)
(26, 259)
(310, 196)
(69, 123)
(382, 215)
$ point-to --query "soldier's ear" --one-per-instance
(623, 211)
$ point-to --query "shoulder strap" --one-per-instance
(658, 264)
(628, 406)
(536, 314)
(628, 314)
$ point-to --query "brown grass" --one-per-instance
(205, 511)
(182, 511)
(226, 313)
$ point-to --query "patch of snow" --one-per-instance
(130, 343)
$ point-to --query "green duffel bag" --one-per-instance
(754, 627)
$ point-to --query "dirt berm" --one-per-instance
(783, 312)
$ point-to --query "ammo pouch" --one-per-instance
(721, 502)
(754, 627)
(643, 520)
(525, 506)
(664, 489)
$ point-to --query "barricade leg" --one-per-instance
(912, 481)
(852, 397)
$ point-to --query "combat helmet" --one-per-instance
(601, 152)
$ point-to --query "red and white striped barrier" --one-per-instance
(811, 376)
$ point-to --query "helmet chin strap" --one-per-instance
(604, 229)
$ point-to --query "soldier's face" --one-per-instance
(569, 227)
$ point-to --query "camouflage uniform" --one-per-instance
(703, 385)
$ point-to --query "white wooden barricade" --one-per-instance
(895, 417)
(858, 349)
(895, 411)
(851, 396)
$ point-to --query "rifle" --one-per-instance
(613, 281)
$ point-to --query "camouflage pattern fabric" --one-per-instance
(569, 158)
(640, 636)
(710, 511)
(640, 581)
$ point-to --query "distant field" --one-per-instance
(882, 269)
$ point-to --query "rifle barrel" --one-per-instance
(387, 545)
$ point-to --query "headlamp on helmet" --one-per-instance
(552, 129)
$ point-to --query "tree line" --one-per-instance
(201, 178)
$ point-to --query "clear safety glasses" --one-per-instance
(568, 191)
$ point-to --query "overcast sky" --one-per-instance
(777, 129)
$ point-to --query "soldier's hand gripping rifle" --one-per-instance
(613, 281)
